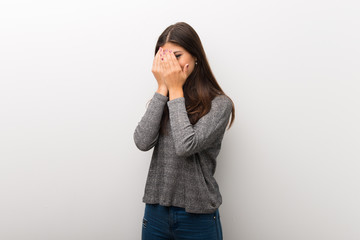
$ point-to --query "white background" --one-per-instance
(75, 77)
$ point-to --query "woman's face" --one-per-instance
(183, 56)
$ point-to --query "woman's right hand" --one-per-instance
(157, 72)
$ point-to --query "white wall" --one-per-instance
(74, 82)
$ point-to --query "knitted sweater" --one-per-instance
(183, 162)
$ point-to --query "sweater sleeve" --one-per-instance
(147, 131)
(190, 139)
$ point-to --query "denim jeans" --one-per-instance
(173, 223)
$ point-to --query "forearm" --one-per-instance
(188, 138)
(147, 130)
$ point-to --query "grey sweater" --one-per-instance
(183, 163)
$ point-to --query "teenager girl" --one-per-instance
(185, 122)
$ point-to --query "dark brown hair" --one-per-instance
(201, 86)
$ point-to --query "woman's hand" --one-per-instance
(157, 72)
(172, 74)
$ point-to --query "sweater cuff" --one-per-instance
(160, 97)
(176, 102)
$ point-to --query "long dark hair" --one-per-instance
(201, 86)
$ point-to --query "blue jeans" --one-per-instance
(173, 223)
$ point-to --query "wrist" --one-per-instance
(162, 90)
(175, 93)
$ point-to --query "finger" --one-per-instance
(162, 60)
(167, 60)
(174, 63)
(162, 68)
(162, 56)
(186, 70)
(171, 61)
(158, 58)
(157, 55)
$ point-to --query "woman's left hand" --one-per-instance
(174, 76)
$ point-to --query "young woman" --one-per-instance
(185, 121)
